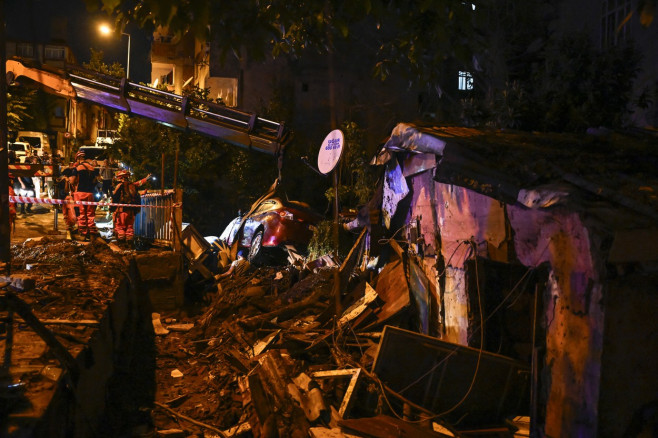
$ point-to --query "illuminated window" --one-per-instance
(24, 50)
(465, 81)
(167, 79)
(54, 52)
(615, 29)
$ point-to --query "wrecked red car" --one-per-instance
(273, 224)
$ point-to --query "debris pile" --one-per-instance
(316, 349)
(270, 356)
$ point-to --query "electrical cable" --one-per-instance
(385, 389)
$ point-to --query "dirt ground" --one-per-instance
(45, 220)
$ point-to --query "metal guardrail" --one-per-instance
(245, 129)
(161, 223)
(241, 128)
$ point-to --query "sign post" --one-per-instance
(329, 156)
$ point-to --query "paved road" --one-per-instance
(44, 222)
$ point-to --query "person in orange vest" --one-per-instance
(86, 177)
(124, 217)
(12, 205)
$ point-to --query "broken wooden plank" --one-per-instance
(350, 261)
(273, 372)
(238, 430)
(180, 327)
(310, 398)
(191, 420)
(172, 433)
(285, 311)
(393, 290)
(348, 398)
(177, 401)
(237, 361)
(61, 353)
(89, 322)
(325, 432)
(353, 374)
(358, 307)
(262, 344)
(259, 400)
(334, 373)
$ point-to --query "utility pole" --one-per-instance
(5, 231)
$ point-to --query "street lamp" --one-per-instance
(106, 30)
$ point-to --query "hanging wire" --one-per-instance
(386, 390)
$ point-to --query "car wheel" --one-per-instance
(256, 249)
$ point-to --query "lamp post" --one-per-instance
(106, 30)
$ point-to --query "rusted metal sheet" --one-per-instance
(461, 166)
(393, 294)
(417, 163)
(409, 137)
(424, 294)
(473, 388)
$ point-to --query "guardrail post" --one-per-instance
(177, 215)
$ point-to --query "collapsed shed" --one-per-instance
(540, 247)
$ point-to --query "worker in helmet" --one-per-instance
(124, 216)
(86, 177)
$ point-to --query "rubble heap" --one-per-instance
(270, 353)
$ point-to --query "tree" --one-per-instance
(414, 36)
(19, 102)
(569, 85)
(96, 63)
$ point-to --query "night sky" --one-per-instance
(30, 20)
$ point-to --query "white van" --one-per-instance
(21, 149)
(105, 137)
(38, 141)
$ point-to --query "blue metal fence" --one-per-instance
(158, 223)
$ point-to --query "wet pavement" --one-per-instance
(44, 220)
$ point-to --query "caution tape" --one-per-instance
(32, 200)
(31, 170)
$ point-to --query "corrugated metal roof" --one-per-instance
(616, 167)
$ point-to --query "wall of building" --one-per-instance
(574, 314)
(462, 223)
(450, 217)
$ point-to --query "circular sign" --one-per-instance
(330, 151)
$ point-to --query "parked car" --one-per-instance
(21, 149)
(273, 224)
